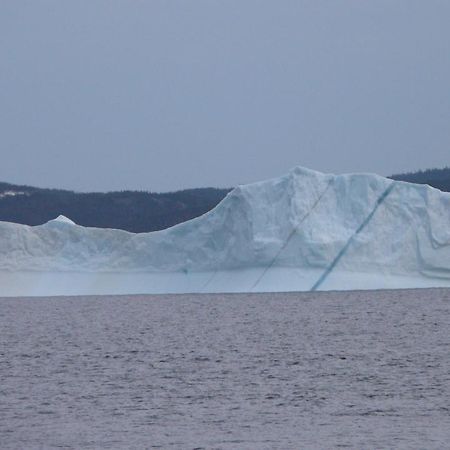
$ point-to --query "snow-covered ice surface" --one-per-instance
(316, 370)
(303, 231)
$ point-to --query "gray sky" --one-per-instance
(165, 94)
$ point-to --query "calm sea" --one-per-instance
(252, 371)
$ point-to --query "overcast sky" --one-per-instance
(164, 94)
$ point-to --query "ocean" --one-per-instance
(356, 369)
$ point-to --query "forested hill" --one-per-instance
(438, 178)
(137, 211)
(127, 210)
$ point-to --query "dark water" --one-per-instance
(323, 370)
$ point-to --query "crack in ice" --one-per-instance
(291, 235)
(344, 249)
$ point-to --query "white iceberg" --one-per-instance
(303, 231)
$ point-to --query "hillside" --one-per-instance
(137, 211)
(438, 178)
(127, 210)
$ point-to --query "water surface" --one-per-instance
(298, 370)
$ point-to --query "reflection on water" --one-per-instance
(307, 370)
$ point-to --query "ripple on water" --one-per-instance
(297, 370)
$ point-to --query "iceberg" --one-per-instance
(304, 231)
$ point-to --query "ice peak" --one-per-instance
(62, 219)
(300, 170)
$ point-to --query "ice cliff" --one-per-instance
(303, 231)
